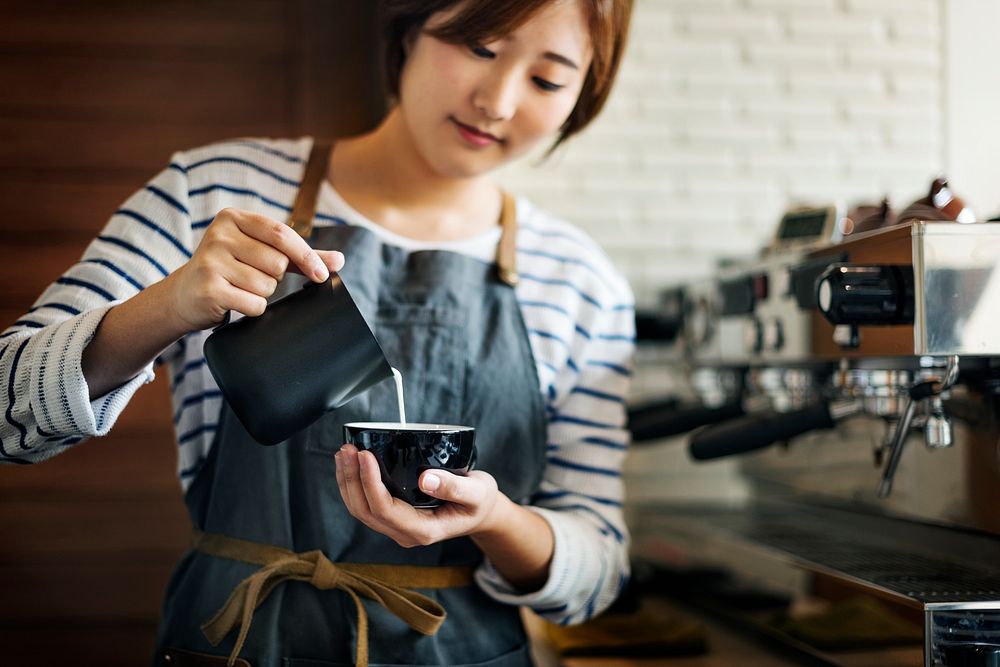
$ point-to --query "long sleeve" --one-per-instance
(581, 319)
(45, 399)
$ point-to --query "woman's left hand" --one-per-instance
(471, 501)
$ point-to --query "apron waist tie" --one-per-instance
(385, 584)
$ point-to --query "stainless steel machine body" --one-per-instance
(868, 386)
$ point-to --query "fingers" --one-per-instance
(334, 259)
(280, 236)
(259, 255)
(249, 279)
(348, 479)
(468, 490)
(361, 484)
(274, 258)
(367, 499)
(380, 501)
(237, 265)
(242, 301)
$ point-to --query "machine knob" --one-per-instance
(699, 324)
(665, 322)
(853, 294)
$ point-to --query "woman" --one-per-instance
(536, 356)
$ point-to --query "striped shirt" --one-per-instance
(578, 312)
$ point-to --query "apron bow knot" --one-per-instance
(325, 574)
(384, 584)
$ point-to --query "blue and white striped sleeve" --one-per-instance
(44, 396)
(581, 494)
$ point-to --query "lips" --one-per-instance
(475, 136)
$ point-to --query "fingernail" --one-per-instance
(431, 482)
(320, 272)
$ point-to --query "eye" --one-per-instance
(481, 51)
(547, 86)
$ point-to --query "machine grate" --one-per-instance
(901, 568)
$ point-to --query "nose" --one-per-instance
(496, 96)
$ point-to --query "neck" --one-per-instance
(383, 176)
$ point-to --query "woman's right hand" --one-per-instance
(238, 264)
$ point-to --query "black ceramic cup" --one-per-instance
(404, 451)
(310, 352)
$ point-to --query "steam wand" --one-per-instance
(919, 391)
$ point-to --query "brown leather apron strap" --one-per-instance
(507, 248)
(304, 208)
(385, 584)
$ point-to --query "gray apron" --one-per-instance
(455, 331)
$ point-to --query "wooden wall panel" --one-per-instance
(37, 209)
(95, 98)
(174, 29)
(113, 89)
(131, 146)
(25, 270)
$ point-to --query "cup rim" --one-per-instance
(409, 426)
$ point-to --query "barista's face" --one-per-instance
(472, 108)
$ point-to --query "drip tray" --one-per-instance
(924, 565)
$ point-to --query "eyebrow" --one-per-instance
(562, 60)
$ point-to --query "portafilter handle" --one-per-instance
(762, 429)
(655, 422)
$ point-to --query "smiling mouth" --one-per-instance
(476, 135)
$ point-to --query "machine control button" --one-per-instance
(753, 336)
(698, 324)
(846, 336)
(773, 335)
(737, 296)
(874, 295)
(782, 280)
(760, 290)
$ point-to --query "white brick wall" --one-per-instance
(728, 111)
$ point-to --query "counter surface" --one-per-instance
(726, 646)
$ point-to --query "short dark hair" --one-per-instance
(480, 21)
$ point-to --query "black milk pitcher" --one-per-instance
(309, 352)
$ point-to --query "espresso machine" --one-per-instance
(855, 377)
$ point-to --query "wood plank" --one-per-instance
(81, 144)
(222, 29)
(68, 592)
(26, 271)
(92, 471)
(47, 532)
(69, 212)
(78, 87)
(113, 644)
(351, 62)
